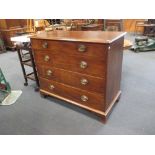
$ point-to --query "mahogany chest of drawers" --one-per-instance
(80, 67)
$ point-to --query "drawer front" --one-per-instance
(95, 100)
(71, 48)
(78, 80)
(84, 65)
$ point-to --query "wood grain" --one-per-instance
(95, 100)
(73, 79)
(103, 37)
(70, 48)
(71, 63)
(58, 60)
(114, 70)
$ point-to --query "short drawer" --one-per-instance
(84, 65)
(70, 48)
(92, 100)
(82, 81)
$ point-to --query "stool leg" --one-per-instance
(22, 66)
(34, 70)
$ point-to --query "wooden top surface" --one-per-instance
(81, 36)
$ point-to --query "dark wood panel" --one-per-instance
(114, 70)
(78, 80)
(78, 48)
(95, 100)
(71, 63)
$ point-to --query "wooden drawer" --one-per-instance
(84, 65)
(78, 80)
(92, 100)
(71, 48)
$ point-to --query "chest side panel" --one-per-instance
(114, 70)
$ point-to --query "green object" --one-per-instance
(5, 88)
(143, 44)
(2, 46)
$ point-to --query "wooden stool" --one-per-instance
(26, 59)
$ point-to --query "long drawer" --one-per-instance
(82, 97)
(78, 80)
(71, 48)
(84, 65)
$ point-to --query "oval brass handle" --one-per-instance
(49, 72)
(83, 64)
(45, 45)
(84, 98)
(51, 87)
(46, 58)
(84, 81)
(82, 48)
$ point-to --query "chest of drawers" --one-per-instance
(80, 67)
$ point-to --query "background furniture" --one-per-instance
(139, 24)
(9, 28)
(80, 67)
(113, 24)
(92, 27)
(149, 30)
(147, 25)
(129, 25)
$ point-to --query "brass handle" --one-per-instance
(51, 87)
(83, 64)
(45, 45)
(84, 81)
(82, 48)
(46, 58)
(84, 98)
(49, 72)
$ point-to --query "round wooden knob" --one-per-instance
(49, 72)
(45, 45)
(82, 48)
(84, 81)
(84, 98)
(51, 87)
(83, 64)
(46, 58)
